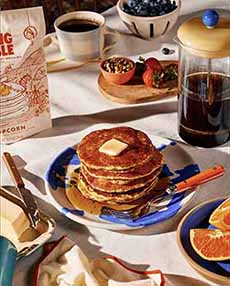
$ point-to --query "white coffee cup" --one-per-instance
(82, 46)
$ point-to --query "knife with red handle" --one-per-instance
(194, 181)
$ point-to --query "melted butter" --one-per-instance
(31, 234)
(26, 238)
(15, 226)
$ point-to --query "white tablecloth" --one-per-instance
(76, 107)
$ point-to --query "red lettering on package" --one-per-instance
(6, 45)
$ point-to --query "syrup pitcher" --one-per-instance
(204, 79)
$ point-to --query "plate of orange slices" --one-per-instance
(203, 237)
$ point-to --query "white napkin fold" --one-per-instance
(67, 265)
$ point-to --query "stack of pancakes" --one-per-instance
(124, 179)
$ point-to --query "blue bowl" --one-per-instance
(198, 217)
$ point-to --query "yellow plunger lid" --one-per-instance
(207, 36)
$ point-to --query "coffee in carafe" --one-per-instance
(204, 109)
(204, 80)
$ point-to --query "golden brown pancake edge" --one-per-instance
(140, 149)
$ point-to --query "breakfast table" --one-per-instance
(77, 107)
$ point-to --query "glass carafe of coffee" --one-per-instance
(204, 79)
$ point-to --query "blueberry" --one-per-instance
(150, 7)
(153, 13)
(126, 8)
(167, 9)
(132, 3)
(175, 6)
(165, 51)
(143, 12)
(134, 12)
(138, 7)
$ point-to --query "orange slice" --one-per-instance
(220, 218)
(211, 244)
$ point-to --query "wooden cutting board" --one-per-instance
(135, 91)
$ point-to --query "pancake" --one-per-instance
(140, 171)
(118, 186)
(78, 201)
(140, 149)
(115, 175)
(90, 193)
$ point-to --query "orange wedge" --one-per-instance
(211, 244)
(220, 218)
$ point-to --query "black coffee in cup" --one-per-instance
(81, 35)
(78, 25)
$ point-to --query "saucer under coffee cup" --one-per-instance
(81, 35)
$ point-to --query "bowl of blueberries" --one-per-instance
(148, 19)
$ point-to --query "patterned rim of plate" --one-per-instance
(56, 191)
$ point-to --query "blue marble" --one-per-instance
(210, 18)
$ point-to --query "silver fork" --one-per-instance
(138, 211)
(152, 205)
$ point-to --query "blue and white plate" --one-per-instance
(179, 167)
(198, 217)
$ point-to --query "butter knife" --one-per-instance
(25, 194)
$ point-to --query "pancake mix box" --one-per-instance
(24, 101)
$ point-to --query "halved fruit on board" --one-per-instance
(220, 218)
(211, 244)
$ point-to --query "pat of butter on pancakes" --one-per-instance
(113, 147)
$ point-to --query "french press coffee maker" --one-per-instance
(204, 79)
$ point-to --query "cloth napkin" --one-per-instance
(67, 265)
